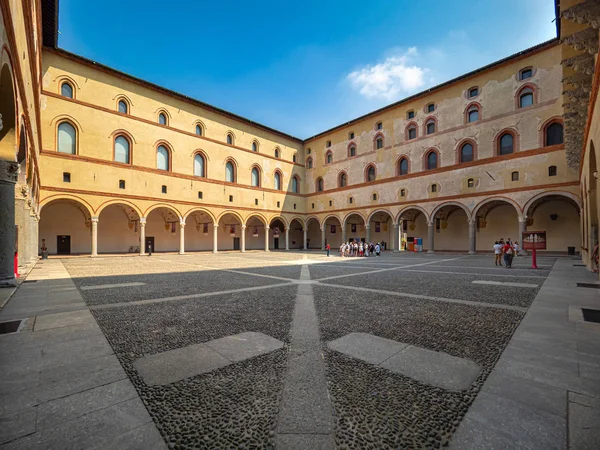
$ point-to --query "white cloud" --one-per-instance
(395, 76)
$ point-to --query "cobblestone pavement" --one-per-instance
(302, 394)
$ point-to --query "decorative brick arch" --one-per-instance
(544, 127)
(425, 156)
(397, 164)
(339, 178)
(366, 172)
(280, 173)
(169, 148)
(350, 145)
(235, 168)
(378, 135)
(327, 154)
(522, 88)
(511, 131)
(409, 125)
(469, 107)
(203, 155)
(317, 184)
(428, 120)
(260, 174)
(127, 135)
(460, 145)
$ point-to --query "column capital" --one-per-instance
(216, 225)
(243, 226)
(472, 221)
(396, 225)
(94, 219)
(368, 226)
(9, 171)
(523, 219)
(430, 224)
(267, 227)
(182, 224)
(343, 228)
(142, 221)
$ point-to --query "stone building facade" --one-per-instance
(114, 164)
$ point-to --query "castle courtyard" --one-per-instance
(298, 350)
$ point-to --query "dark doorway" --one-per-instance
(236, 243)
(276, 243)
(63, 245)
(150, 244)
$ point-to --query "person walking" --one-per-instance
(377, 249)
(508, 251)
(497, 253)
(328, 248)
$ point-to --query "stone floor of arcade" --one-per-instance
(295, 350)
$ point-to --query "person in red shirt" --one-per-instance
(508, 253)
(328, 248)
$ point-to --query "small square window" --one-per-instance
(328, 144)
(515, 176)
(66, 177)
(434, 188)
(121, 184)
(330, 203)
(379, 126)
(470, 182)
(200, 195)
(164, 189)
(351, 135)
(526, 73)
(410, 115)
(231, 198)
(374, 196)
(431, 107)
(255, 201)
(278, 204)
(294, 206)
(473, 92)
(552, 171)
(313, 206)
(402, 192)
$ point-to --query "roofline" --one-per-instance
(536, 48)
(155, 87)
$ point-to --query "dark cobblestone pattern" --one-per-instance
(234, 407)
(318, 271)
(284, 271)
(455, 286)
(378, 409)
(164, 285)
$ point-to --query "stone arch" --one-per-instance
(313, 232)
(118, 228)
(380, 210)
(541, 195)
(280, 218)
(415, 207)
(330, 216)
(199, 209)
(67, 197)
(106, 204)
(445, 204)
(233, 213)
(345, 219)
(299, 219)
(262, 218)
(65, 225)
(162, 205)
(495, 199)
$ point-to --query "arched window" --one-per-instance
(412, 132)
(352, 151)
(162, 119)
(199, 165)
(199, 130)
(430, 127)
(162, 158)
(432, 160)
(506, 144)
(122, 150)
(466, 153)
(295, 184)
(277, 179)
(229, 172)
(319, 184)
(254, 146)
(526, 98)
(66, 90)
(371, 174)
(328, 158)
(229, 139)
(67, 138)
(473, 114)
(403, 166)
(123, 107)
(309, 163)
(343, 180)
(379, 143)
(255, 177)
(554, 134)
(276, 153)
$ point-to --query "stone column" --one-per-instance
(472, 236)
(266, 239)
(305, 232)
(215, 231)
(33, 243)
(182, 237)
(323, 238)
(142, 236)
(431, 230)
(243, 239)
(94, 236)
(523, 229)
(395, 238)
(287, 238)
(8, 179)
(368, 227)
(344, 237)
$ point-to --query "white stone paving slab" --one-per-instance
(110, 286)
(501, 283)
(427, 366)
(175, 365)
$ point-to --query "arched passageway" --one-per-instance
(118, 229)
(278, 235)
(331, 233)
(382, 230)
(413, 225)
(313, 239)
(296, 231)
(451, 228)
(355, 228)
(229, 232)
(257, 235)
(558, 216)
(495, 219)
(66, 227)
(198, 231)
(163, 230)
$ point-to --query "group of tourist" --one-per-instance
(508, 249)
(360, 249)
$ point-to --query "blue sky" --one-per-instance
(305, 66)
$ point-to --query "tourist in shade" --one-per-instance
(497, 254)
